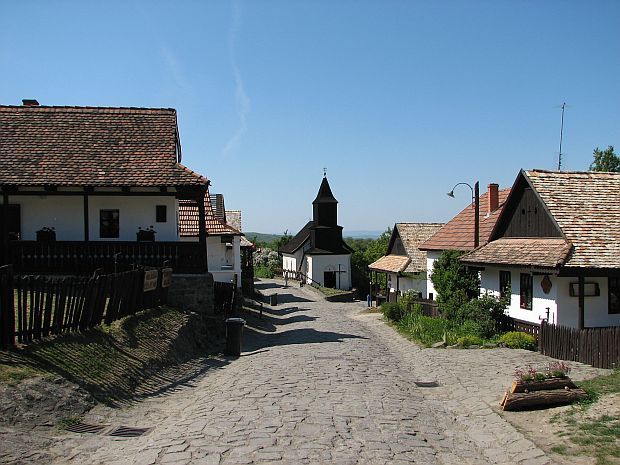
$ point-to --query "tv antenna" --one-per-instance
(561, 134)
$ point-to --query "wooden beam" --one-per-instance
(86, 219)
(5, 229)
(202, 229)
(582, 299)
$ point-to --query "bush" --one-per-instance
(518, 340)
(467, 341)
(393, 311)
(424, 329)
(262, 271)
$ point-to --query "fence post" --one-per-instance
(7, 308)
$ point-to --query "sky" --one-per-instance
(399, 100)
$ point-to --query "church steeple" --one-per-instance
(325, 206)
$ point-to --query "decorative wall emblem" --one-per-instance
(546, 284)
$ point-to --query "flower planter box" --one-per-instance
(551, 391)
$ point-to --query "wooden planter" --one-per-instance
(551, 391)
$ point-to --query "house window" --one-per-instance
(526, 291)
(108, 223)
(614, 295)
(161, 214)
(504, 283)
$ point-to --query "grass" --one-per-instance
(110, 361)
(328, 291)
(597, 436)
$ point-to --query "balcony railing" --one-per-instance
(85, 257)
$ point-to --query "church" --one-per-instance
(318, 254)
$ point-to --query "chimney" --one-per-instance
(493, 198)
(30, 102)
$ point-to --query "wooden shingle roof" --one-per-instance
(91, 146)
(538, 252)
(413, 235)
(391, 263)
(586, 207)
(458, 233)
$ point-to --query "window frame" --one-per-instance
(158, 213)
(116, 216)
(526, 291)
(504, 285)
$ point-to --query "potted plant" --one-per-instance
(146, 235)
(46, 234)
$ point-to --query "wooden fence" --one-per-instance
(224, 297)
(599, 347)
(429, 307)
(34, 307)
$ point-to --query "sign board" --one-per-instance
(166, 277)
(150, 280)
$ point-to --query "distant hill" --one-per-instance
(362, 234)
(261, 237)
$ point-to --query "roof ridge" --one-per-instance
(595, 173)
(78, 108)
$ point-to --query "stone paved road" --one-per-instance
(322, 383)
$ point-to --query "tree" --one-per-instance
(605, 160)
(282, 240)
(454, 284)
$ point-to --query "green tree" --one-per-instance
(281, 241)
(605, 160)
(455, 285)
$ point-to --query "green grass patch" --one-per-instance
(597, 437)
(13, 373)
(328, 291)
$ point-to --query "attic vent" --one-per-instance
(30, 102)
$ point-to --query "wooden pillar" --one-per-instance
(580, 321)
(86, 219)
(4, 258)
(397, 285)
(202, 229)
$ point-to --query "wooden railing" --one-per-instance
(85, 257)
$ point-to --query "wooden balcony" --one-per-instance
(75, 257)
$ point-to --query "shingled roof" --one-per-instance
(189, 222)
(411, 235)
(586, 208)
(91, 146)
(458, 233)
(537, 252)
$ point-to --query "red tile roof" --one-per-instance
(458, 233)
(188, 220)
(91, 146)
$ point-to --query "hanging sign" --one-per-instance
(166, 277)
(150, 280)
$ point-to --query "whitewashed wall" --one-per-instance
(431, 257)
(66, 215)
(563, 309)
(291, 262)
(318, 264)
(224, 262)
(408, 284)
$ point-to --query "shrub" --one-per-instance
(467, 341)
(393, 311)
(455, 285)
(518, 340)
(263, 271)
(424, 329)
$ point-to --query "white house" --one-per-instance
(458, 233)
(556, 249)
(223, 240)
(91, 187)
(404, 264)
(318, 254)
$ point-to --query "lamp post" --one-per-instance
(475, 199)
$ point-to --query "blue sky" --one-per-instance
(400, 100)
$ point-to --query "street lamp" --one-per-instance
(475, 199)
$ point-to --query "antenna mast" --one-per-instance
(561, 134)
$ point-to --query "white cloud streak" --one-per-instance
(242, 101)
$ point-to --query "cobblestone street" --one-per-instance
(323, 383)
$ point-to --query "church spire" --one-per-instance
(325, 193)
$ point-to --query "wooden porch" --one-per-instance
(76, 257)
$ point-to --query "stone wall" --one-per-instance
(192, 292)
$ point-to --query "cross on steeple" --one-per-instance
(324, 172)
